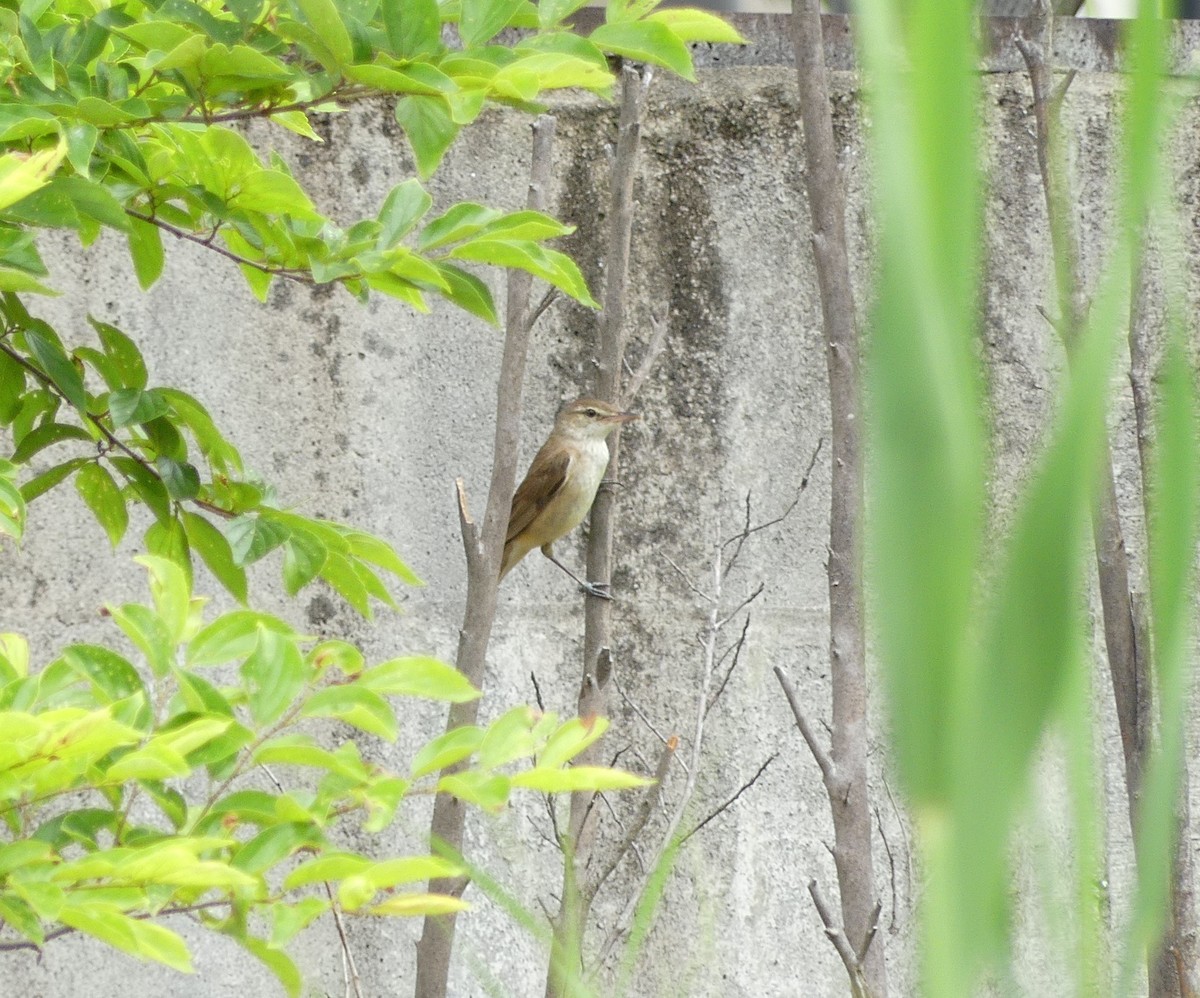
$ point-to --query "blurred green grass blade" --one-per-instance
(926, 438)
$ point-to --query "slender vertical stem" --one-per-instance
(847, 648)
(483, 551)
(597, 641)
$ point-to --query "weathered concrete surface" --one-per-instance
(368, 414)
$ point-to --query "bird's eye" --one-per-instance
(590, 413)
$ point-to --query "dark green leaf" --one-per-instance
(468, 292)
(251, 537)
(46, 435)
(145, 485)
(181, 479)
(136, 405)
(102, 496)
(57, 365)
(214, 549)
(123, 352)
(12, 386)
(303, 557)
(430, 129)
(51, 477)
(145, 246)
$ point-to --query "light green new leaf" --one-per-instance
(419, 676)
(598, 778)
(691, 25)
(489, 792)
(276, 961)
(171, 593)
(144, 939)
(646, 41)
(232, 635)
(570, 739)
(275, 673)
(327, 23)
(447, 749)
(23, 173)
(363, 708)
(110, 673)
(411, 905)
(550, 265)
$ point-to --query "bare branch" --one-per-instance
(651, 796)
(659, 327)
(828, 771)
(720, 809)
(349, 968)
(736, 648)
(837, 937)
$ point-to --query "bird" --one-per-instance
(561, 484)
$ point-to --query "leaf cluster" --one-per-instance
(101, 836)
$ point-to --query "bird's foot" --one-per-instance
(601, 590)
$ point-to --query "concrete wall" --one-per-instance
(367, 414)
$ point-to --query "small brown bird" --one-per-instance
(561, 484)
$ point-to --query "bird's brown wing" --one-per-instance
(544, 481)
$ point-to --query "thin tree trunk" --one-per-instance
(579, 840)
(847, 788)
(483, 552)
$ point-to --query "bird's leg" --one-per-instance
(597, 589)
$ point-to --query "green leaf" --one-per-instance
(275, 960)
(303, 557)
(468, 292)
(405, 205)
(21, 174)
(55, 363)
(691, 25)
(45, 436)
(342, 575)
(251, 537)
(145, 246)
(216, 553)
(325, 20)
(419, 676)
(146, 631)
(551, 266)
(490, 792)
(274, 192)
(167, 539)
(414, 27)
(274, 844)
(570, 739)
(12, 385)
(170, 591)
(135, 405)
(275, 673)
(370, 548)
(427, 122)
(102, 496)
(144, 939)
(645, 41)
(232, 635)
(181, 479)
(146, 485)
(363, 708)
(123, 352)
(481, 19)
(51, 477)
(459, 222)
(414, 905)
(509, 737)
(597, 778)
(447, 749)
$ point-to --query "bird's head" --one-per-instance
(591, 419)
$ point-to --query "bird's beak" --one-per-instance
(626, 417)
